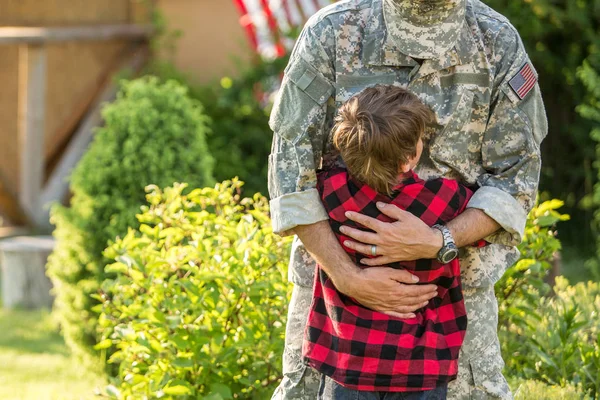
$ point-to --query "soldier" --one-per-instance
(468, 64)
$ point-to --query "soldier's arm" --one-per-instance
(511, 145)
(298, 122)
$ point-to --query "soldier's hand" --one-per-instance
(407, 238)
(387, 290)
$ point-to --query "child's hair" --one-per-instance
(376, 131)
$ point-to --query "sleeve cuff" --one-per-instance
(505, 210)
(298, 208)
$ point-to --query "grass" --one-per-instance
(35, 363)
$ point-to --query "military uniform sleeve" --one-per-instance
(511, 145)
(298, 121)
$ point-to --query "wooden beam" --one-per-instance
(39, 35)
(11, 212)
(32, 110)
(57, 186)
(63, 134)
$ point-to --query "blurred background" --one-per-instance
(101, 98)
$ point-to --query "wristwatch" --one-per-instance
(449, 251)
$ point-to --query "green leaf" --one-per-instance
(213, 396)
(223, 390)
(178, 390)
(183, 363)
(137, 276)
(104, 344)
(113, 391)
(116, 268)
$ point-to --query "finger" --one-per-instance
(419, 290)
(361, 236)
(361, 248)
(411, 308)
(391, 210)
(400, 315)
(403, 276)
(415, 301)
(367, 221)
(381, 260)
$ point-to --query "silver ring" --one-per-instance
(373, 250)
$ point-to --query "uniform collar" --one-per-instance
(380, 49)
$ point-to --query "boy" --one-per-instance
(363, 354)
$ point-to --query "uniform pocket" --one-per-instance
(309, 80)
(350, 85)
(486, 368)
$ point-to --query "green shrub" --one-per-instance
(198, 305)
(559, 35)
(241, 137)
(239, 108)
(559, 341)
(548, 337)
(591, 110)
(153, 133)
(522, 284)
(535, 390)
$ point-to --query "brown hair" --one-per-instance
(376, 131)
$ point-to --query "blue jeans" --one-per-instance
(331, 390)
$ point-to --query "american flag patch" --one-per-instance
(523, 81)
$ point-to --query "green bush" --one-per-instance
(198, 304)
(239, 108)
(153, 133)
(535, 390)
(524, 283)
(559, 342)
(591, 110)
(241, 137)
(559, 35)
(546, 336)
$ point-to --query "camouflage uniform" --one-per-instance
(484, 134)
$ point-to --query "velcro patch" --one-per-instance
(523, 81)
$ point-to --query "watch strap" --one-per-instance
(448, 244)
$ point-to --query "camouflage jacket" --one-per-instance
(484, 133)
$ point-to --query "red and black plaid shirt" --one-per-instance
(371, 351)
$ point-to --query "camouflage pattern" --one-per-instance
(299, 380)
(483, 134)
(424, 28)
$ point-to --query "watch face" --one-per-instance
(449, 255)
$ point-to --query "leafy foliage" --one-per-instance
(153, 133)
(197, 307)
(591, 110)
(525, 279)
(536, 390)
(559, 35)
(559, 342)
(238, 108)
(553, 337)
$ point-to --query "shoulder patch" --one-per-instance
(523, 81)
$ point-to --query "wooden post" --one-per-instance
(32, 112)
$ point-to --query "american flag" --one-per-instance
(266, 22)
(523, 81)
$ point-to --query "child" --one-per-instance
(357, 350)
